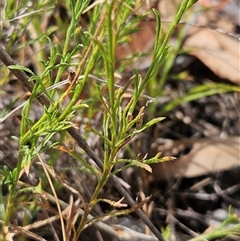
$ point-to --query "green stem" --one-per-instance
(79, 86)
(92, 202)
(169, 63)
(110, 66)
(219, 233)
(160, 52)
(76, 10)
(10, 204)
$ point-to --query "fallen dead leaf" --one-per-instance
(218, 51)
(206, 156)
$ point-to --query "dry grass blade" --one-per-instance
(28, 233)
(56, 177)
(55, 195)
